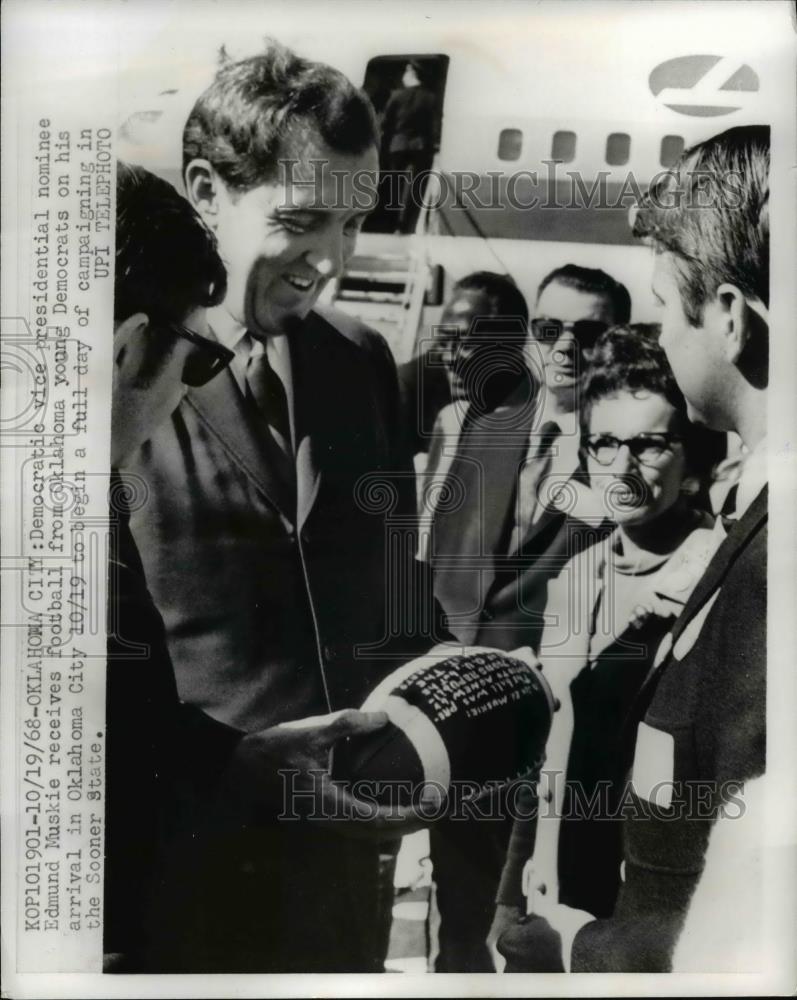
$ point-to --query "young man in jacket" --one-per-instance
(169, 761)
(698, 731)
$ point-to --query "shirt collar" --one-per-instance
(228, 331)
(566, 450)
(753, 477)
(234, 335)
(568, 422)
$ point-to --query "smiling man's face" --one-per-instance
(284, 240)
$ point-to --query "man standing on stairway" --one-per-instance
(410, 136)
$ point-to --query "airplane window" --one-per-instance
(563, 147)
(510, 142)
(671, 148)
(618, 149)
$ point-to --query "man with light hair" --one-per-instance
(698, 730)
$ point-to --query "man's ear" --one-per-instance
(744, 328)
(127, 339)
(731, 311)
(202, 190)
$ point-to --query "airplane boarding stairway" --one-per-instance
(386, 291)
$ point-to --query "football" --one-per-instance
(468, 723)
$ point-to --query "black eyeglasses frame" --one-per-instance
(634, 444)
(203, 365)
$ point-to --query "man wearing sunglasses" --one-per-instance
(167, 273)
(481, 332)
(493, 554)
(162, 344)
(512, 460)
(168, 764)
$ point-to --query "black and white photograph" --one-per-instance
(390, 431)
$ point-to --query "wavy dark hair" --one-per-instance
(595, 282)
(628, 359)
(240, 123)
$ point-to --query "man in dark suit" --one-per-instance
(275, 538)
(475, 349)
(699, 728)
(493, 554)
(168, 761)
(160, 342)
(410, 137)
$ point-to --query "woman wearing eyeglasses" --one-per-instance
(606, 614)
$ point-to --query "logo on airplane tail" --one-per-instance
(703, 86)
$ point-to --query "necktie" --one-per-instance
(537, 465)
(268, 394)
(727, 515)
(729, 506)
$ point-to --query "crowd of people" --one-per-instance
(562, 497)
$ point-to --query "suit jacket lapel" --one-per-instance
(501, 467)
(488, 459)
(707, 587)
(221, 407)
(539, 527)
(738, 537)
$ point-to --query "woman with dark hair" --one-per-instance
(607, 612)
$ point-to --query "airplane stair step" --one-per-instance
(386, 291)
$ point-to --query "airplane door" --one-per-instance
(385, 78)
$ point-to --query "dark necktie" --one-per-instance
(729, 505)
(529, 479)
(728, 512)
(268, 393)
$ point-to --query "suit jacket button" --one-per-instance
(487, 616)
(330, 653)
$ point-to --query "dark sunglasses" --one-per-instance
(647, 449)
(202, 365)
(585, 331)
